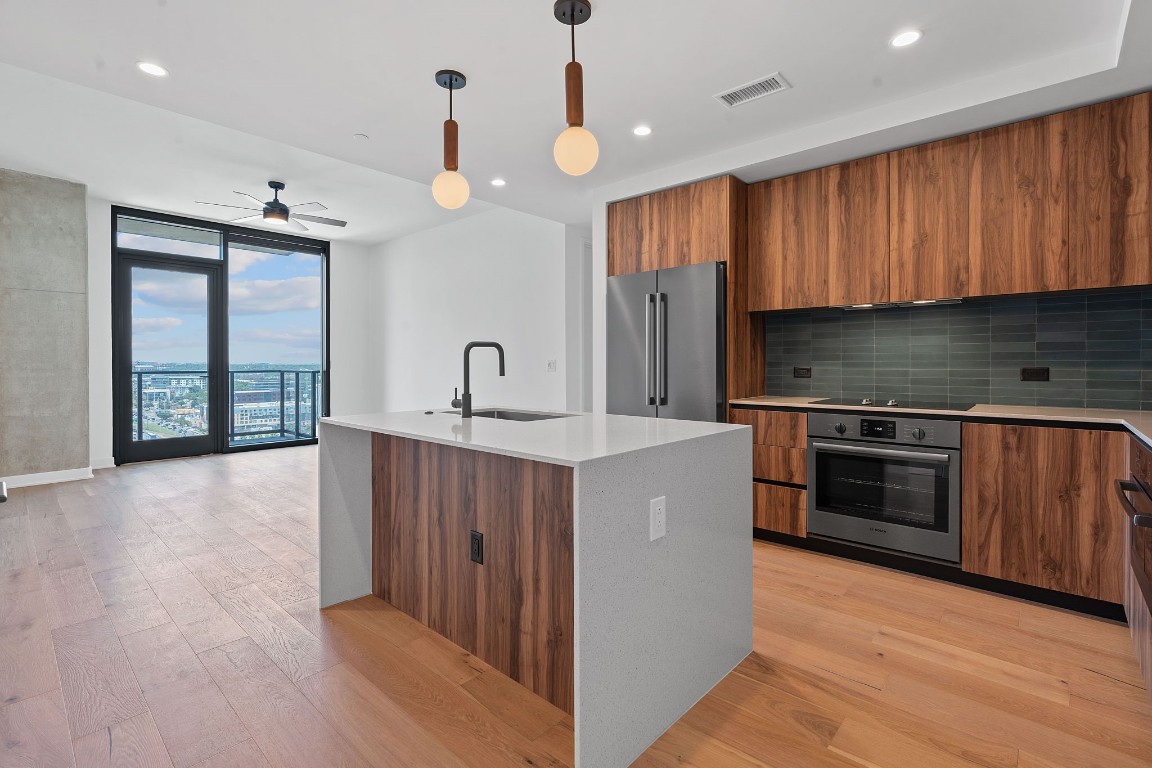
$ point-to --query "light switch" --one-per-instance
(551, 366)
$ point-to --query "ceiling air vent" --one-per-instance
(774, 83)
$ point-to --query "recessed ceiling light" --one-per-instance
(905, 39)
(149, 68)
(642, 130)
(498, 182)
(360, 136)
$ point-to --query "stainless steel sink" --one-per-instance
(503, 415)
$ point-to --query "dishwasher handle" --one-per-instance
(1123, 488)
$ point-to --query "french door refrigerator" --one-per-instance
(666, 342)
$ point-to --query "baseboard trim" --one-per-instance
(47, 478)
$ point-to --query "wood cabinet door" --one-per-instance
(780, 508)
(857, 231)
(669, 222)
(1018, 217)
(788, 242)
(628, 242)
(929, 220)
(1039, 507)
(1109, 175)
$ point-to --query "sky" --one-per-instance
(274, 304)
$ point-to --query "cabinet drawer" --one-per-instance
(783, 465)
(787, 429)
(779, 508)
(1140, 461)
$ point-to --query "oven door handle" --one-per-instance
(884, 453)
(1123, 488)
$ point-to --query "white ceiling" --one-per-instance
(307, 75)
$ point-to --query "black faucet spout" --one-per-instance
(466, 398)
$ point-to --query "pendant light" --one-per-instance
(450, 188)
(576, 150)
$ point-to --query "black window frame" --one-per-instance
(121, 335)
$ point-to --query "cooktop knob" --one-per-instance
(919, 433)
(840, 428)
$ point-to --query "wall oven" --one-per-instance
(886, 482)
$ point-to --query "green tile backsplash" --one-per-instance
(1097, 345)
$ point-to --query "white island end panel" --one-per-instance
(345, 467)
(658, 623)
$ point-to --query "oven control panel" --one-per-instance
(850, 426)
(883, 429)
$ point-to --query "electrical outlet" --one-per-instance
(657, 518)
(1035, 374)
(477, 547)
(551, 366)
(802, 372)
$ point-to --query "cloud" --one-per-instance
(306, 257)
(239, 259)
(155, 324)
(263, 297)
(175, 291)
(295, 338)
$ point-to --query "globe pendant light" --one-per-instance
(449, 187)
(576, 150)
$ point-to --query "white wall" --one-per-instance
(498, 276)
(100, 332)
(353, 389)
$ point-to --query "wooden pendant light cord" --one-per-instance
(451, 139)
(574, 86)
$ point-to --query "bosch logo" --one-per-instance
(877, 530)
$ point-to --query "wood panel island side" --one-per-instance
(573, 598)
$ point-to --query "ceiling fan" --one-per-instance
(275, 211)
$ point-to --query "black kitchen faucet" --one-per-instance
(465, 403)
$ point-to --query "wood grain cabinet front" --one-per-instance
(780, 508)
(1039, 507)
(779, 440)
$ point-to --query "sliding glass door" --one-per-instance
(219, 337)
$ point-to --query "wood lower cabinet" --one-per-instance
(1039, 507)
(516, 610)
(780, 508)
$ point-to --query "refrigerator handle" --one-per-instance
(649, 322)
(662, 349)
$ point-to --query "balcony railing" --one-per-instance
(263, 406)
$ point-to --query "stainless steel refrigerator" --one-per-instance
(666, 342)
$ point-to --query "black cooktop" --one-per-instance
(885, 403)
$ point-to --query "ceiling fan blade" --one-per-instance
(321, 220)
(293, 224)
(248, 218)
(307, 208)
(250, 197)
(225, 205)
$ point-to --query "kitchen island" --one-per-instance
(533, 545)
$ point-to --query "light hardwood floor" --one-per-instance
(165, 615)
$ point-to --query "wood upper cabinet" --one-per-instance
(692, 224)
(820, 238)
(1062, 202)
(1039, 507)
(929, 220)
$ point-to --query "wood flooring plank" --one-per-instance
(246, 754)
(375, 725)
(192, 715)
(294, 649)
(97, 683)
(131, 604)
(134, 742)
(523, 710)
(71, 597)
(155, 561)
(27, 661)
(101, 549)
(16, 549)
(202, 620)
(280, 585)
(288, 729)
(683, 745)
(872, 745)
(54, 543)
(34, 732)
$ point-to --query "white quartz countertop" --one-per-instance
(571, 440)
(1139, 423)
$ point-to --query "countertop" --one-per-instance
(1139, 423)
(577, 438)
